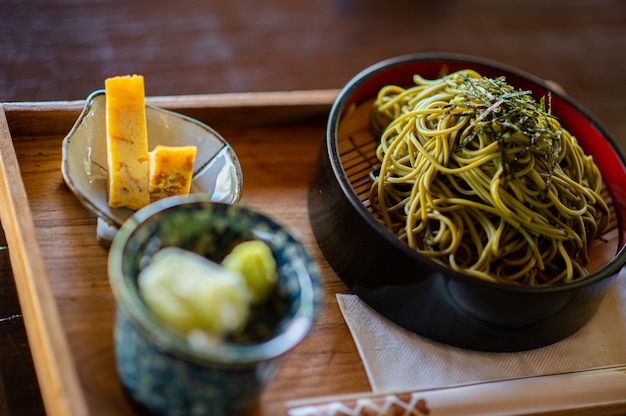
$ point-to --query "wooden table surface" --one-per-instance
(63, 50)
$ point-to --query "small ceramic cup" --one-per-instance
(157, 367)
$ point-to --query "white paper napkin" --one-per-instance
(398, 360)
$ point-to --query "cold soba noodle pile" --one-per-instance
(481, 177)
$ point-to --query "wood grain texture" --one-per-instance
(277, 160)
(217, 110)
(63, 49)
(19, 389)
(53, 361)
(53, 53)
(75, 266)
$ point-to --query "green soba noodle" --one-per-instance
(481, 177)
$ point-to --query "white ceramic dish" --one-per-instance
(217, 172)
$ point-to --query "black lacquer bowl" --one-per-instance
(426, 297)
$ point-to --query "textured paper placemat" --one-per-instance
(398, 360)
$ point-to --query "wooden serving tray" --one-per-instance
(60, 269)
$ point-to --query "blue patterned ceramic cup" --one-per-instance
(158, 368)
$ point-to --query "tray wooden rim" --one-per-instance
(55, 367)
(243, 109)
(53, 363)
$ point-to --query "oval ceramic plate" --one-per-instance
(217, 172)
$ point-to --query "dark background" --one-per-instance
(63, 49)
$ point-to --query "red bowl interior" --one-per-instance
(593, 138)
(426, 297)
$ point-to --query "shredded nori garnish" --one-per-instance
(501, 111)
